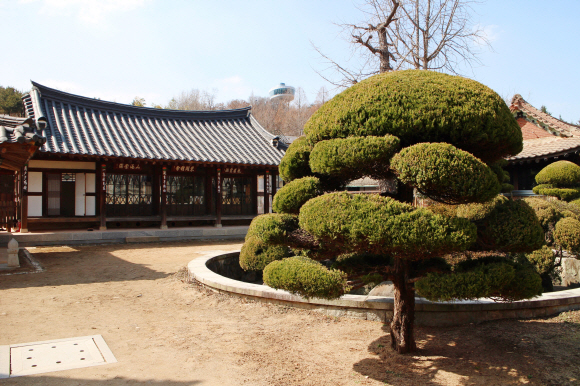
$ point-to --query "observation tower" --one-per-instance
(282, 93)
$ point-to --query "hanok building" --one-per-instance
(106, 164)
(546, 140)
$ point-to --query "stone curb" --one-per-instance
(381, 308)
(123, 236)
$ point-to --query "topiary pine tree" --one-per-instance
(439, 134)
(559, 179)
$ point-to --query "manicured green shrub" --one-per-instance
(502, 175)
(561, 174)
(342, 217)
(479, 211)
(444, 209)
(294, 164)
(272, 228)
(503, 280)
(354, 157)
(256, 255)
(566, 194)
(567, 209)
(305, 277)
(545, 211)
(293, 195)
(567, 235)
(446, 174)
(560, 179)
(542, 259)
(576, 202)
(421, 106)
(505, 225)
(383, 225)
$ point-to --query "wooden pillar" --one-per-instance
(274, 184)
(218, 203)
(209, 175)
(16, 203)
(156, 192)
(164, 198)
(102, 198)
(255, 192)
(24, 201)
(266, 192)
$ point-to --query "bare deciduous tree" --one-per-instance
(195, 100)
(402, 34)
(437, 35)
(280, 118)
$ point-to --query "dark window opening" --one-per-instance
(129, 195)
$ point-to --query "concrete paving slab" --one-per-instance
(54, 355)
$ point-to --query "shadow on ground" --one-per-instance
(48, 380)
(533, 352)
(87, 264)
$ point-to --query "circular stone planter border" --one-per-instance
(381, 308)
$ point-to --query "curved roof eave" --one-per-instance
(47, 92)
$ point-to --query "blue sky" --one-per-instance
(119, 49)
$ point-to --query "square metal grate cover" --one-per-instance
(54, 355)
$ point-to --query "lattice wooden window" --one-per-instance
(237, 197)
(186, 196)
(129, 195)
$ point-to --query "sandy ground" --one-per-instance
(164, 331)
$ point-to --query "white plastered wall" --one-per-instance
(90, 201)
(80, 194)
(35, 186)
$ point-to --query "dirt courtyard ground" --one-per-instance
(164, 331)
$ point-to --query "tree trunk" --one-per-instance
(402, 336)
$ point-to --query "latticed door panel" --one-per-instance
(186, 196)
(53, 194)
(237, 196)
(129, 195)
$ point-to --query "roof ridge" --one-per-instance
(51, 93)
(518, 102)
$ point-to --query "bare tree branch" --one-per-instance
(399, 34)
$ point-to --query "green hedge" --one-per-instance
(561, 174)
(291, 197)
(272, 228)
(383, 225)
(305, 277)
(421, 106)
(294, 164)
(566, 194)
(354, 157)
(446, 174)
(505, 225)
(502, 280)
(256, 255)
(567, 235)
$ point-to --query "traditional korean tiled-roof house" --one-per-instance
(546, 140)
(19, 139)
(107, 164)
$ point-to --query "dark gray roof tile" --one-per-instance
(74, 124)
